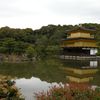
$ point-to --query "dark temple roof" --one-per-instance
(78, 29)
(66, 39)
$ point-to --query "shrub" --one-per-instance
(73, 91)
(8, 90)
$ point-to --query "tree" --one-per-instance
(20, 47)
(30, 52)
(8, 45)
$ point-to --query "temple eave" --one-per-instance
(79, 46)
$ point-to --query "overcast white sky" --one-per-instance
(37, 13)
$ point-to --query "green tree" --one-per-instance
(20, 47)
(8, 45)
(30, 52)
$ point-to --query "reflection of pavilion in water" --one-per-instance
(79, 71)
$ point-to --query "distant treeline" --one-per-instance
(38, 43)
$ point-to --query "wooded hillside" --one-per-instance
(38, 43)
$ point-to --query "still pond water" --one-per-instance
(34, 78)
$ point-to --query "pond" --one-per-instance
(33, 85)
(39, 76)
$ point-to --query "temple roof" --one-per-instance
(80, 28)
(77, 39)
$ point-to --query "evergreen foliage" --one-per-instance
(44, 41)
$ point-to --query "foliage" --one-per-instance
(8, 90)
(30, 52)
(45, 41)
(72, 91)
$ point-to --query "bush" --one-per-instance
(73, 91)
(8, 90)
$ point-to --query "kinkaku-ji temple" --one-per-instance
(79, 42)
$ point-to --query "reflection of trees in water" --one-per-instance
(16, 69)
(47, 70)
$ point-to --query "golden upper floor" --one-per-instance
(80, 35)
(80, 32)
(78, 43)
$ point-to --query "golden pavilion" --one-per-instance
(79, 41)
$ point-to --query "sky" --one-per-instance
(37, 13)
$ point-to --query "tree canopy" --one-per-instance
(42, 42)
